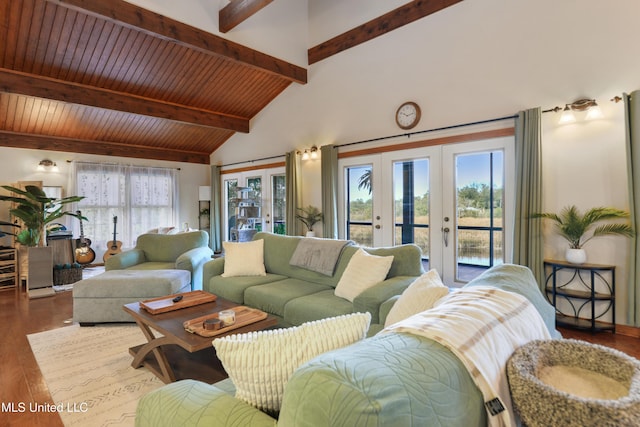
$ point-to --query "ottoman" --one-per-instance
(99, 299)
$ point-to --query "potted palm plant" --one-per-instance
(35, 209)
(309, 216)
(578, 228)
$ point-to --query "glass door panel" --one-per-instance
(230, 193)
(359, 204)
(278, 204)
(411, 203)
(478, 191)
(255, 184)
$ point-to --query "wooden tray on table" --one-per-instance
(165, 304)
(244, 316)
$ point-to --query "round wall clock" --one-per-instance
(408, 115)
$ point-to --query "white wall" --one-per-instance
(584, 164)
(476, 60)
(473, 61)
(20, 165)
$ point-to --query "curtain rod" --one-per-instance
(409, 134)
(382, 138)
(254, 160)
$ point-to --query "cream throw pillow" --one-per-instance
(363, 271)
(244, 258)
(261, 363)
(421, 295)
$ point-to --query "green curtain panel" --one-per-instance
(527, 248)
(215, 227)
(632, 125)
(293, 192)
(329, 181)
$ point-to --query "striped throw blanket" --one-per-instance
(482, 326)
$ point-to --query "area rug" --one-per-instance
(89, 375)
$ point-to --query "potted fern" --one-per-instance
(578, 228)
(309, 216)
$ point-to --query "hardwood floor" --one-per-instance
(21, 380)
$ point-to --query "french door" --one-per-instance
(267, 188)
(453, 201)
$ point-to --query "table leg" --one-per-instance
(154, 345)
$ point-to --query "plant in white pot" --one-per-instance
(309, 216)
(574, 226)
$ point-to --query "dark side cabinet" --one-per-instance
(589, 291)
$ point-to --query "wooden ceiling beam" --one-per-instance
(70, 145)
(122, 13)
(44, 87)
(390, 21)
(238, 11)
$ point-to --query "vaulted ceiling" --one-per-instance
(107, 77)
(110, 78)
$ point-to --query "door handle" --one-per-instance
(377, 226)
(445, 236)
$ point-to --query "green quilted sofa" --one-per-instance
(296, 295)
(392, 379)
(181, 251)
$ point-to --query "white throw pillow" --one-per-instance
(421, 295)
(363, 271)
(244, 258)
(261, 363)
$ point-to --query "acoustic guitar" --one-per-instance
(115, 246)
(84, 253)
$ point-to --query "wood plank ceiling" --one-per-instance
(107, 77)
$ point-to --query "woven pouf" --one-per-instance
(574, 383)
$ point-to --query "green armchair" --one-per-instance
(182, 251)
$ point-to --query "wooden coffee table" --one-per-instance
(153, 355)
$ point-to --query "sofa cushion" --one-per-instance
(316, 306)
(272, 297)
(152, 265)
(232, 288)
(386, 380)
(162, 247)
(421, 295)
(260, 363)
(244, 259)
(519, 279)
(364, 270)
(191, 403)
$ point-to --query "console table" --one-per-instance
(582, 286)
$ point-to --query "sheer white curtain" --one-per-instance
(134, 199)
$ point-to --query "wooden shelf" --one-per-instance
(8, 269)
(579, 293)
(580, 323)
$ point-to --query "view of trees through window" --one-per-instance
(479, 203)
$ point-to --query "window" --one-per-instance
(141, 198)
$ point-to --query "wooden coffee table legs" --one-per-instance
(156, 362)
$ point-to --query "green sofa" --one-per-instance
(297, 295)
(181, 251)
(391, 379)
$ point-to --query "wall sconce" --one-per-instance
(310, 153)
(47, 165)
(588, 105)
